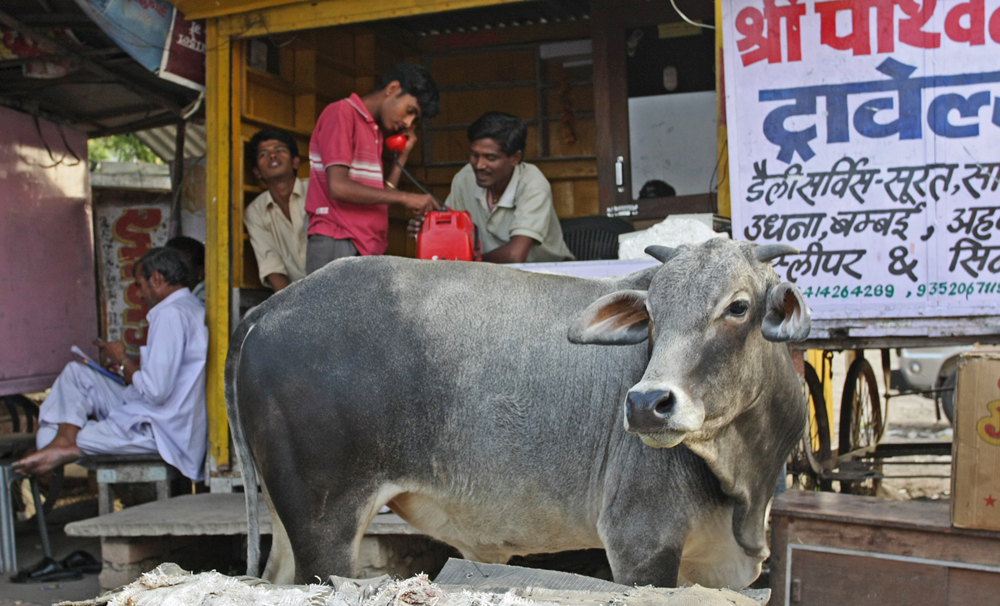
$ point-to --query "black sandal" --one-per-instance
(45, 571)
(82, 561)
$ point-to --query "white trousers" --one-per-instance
(85, 398)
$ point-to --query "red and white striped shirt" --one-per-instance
(347, 135)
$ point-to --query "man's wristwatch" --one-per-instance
(120, 369)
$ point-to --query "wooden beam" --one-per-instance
(177, 181)
(58, 20)
(58, 47)
(99, 52)
(327, 13)
(119, 112)
(17, 104)
(162, 119)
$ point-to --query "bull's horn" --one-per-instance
(769, 252)
(660, 253)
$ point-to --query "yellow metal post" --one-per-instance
(815, 357)
(723, 200)
(217, 119)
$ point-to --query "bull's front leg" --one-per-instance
(641, 553)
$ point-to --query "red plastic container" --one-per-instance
(449, 234)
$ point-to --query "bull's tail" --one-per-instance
(242, 448)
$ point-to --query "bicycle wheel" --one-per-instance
(861, 421)
(947, 396)
(813, 452)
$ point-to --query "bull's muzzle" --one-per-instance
(662, 417)
(648, 411)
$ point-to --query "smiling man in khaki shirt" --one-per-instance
(510, 201)
(276, 219)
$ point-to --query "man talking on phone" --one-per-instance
(161, 407)
(349, 188)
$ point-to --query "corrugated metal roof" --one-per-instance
(163, 141)
(131, 175)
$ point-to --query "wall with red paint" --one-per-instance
(48, 298)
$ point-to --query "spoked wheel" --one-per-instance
(861, 420)
(813, 452)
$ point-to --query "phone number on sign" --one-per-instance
(846, 292)
(933, 289)
(955, 289)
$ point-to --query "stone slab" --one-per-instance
(208, 514)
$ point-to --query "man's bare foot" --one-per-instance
(59, 452)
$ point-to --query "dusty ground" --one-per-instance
(910, 418)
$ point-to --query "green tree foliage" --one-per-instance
(121, 148)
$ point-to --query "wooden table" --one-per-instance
(839, 550)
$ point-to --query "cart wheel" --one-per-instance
(947, 396)
(861, 422)
(809, 457)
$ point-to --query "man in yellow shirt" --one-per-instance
(510, 200)
(276, 219)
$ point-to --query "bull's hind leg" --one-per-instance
(325, 528)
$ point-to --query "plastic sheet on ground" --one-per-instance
(169, 585)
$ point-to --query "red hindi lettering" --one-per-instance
(995, 26)
(974, 34)
(858, 39)
(756, 45)
(132, 231)
(911, 30)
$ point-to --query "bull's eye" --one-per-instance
(738, 308)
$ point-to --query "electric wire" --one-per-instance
(685, 17)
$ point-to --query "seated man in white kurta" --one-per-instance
(161, 409)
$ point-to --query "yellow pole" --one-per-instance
(815, 358)
(217, 237)
(723, 199)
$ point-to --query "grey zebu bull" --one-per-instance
(450, 392)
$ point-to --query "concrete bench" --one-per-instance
(129, 469)
(200, 531)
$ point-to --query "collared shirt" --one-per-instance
(524, 209)
(199, 291)
(168, 392)
(347, 135)
(279, 243)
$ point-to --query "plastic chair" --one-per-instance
(592, 238)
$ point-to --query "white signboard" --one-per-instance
(867, 134)
(124, 234)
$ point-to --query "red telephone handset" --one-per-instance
(396, 143)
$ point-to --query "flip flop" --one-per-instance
(82, 561)
(44, 571)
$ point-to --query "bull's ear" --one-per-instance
(788, 317)
(616, 319)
